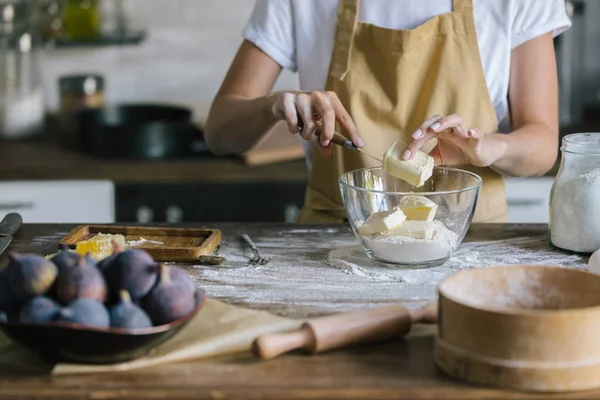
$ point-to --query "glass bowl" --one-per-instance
(454, 192)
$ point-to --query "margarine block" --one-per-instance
(413, 229)
(382, 221)
(415, 171)
(418, 208)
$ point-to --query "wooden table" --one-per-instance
(402, 369)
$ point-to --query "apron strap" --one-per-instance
(462, 5)
(347, 15)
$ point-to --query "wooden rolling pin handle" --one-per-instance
(272, 345)
(340, 330)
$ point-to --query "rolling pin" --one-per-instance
(340, 330)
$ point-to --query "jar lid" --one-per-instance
(585, 143)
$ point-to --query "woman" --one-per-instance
(472, 82)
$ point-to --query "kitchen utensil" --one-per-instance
(213, 259)
(140, 131)
(341, 330)
(524, 327)
(9, 226)
(67, 342)
(257, 259)
(178, 244)
(338, 139)
(454, 192)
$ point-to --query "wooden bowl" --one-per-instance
(66, 342)
(531, 328)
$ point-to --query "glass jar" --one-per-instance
(574, 223)
(22, 106)
(82, 19)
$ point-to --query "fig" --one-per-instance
(181, 275)
(132, 270)
(8, 300)
(85, 311)
(108, 260)
(65, 258)
(125, 314)
(83, 279)
(30, 275)
(170, 299)
(39, 309)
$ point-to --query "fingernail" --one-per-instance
(406, 155)
(472, 132)
(360, 142)
(325, 143)
(418, 133)
(436, 126)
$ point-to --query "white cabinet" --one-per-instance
(528, 199)
(59, 201)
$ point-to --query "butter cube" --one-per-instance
(382, 221)
(413, 229)
(415, 171)
(418, 208)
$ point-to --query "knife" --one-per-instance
(8, 228)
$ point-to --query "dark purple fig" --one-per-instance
(85, 311)
(132, 270)
(65, 258)
(180, 275)
(125, 314)
(108, 260)
(30, 275)
(170, 299)
(39, 309)
(82, 280)
(8, 300)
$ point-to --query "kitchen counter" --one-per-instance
(44, 159)
(300, 282)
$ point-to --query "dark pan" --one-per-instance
(65, 342)
(140, 131)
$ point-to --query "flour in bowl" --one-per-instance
(405, 250)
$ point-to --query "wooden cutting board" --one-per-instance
(176, 244)
(277, 146)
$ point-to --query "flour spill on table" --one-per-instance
(322, 273)
(523, 250)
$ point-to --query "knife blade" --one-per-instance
(9, 226)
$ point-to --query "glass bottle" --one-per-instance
(574, 221)
(22, 107)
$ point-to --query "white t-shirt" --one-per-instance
(299, 34)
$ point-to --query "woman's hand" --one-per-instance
(317, 110)
(456, 144)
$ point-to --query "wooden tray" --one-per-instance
(179, 244)
(532, 328)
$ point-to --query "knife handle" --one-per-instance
(10, 224)
(338, 138)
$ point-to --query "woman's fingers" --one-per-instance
(289, 112)
(421, 136)
(454, 122)
(322, 106)
(304, 109)
(344, 119)
(307, 112)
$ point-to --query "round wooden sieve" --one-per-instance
(533, 328)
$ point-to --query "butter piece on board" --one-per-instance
(415, 171)
(382, 221)
(413, 229)
(418, 208)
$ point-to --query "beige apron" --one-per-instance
(391, 81)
